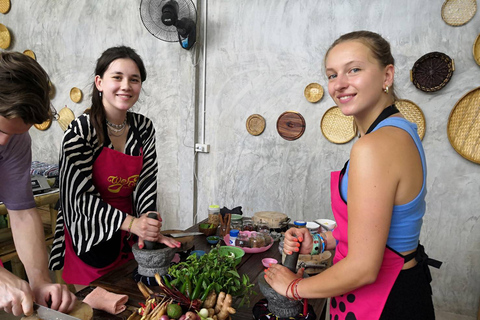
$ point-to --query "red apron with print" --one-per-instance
(368, 301)
(115, 176)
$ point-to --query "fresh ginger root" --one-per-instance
(210, 300)
(224, 308)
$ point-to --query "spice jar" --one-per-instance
(236, 224)
(266, 235)
(262, 226)
(248, 224)
(214, 214)
(300, 224)
(242, 240)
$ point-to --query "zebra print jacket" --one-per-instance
(88, 218)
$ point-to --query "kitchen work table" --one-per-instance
(121, 281)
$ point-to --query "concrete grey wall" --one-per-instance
(260, 56)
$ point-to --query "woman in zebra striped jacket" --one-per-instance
(108, 176)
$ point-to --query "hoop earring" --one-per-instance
(386, 89)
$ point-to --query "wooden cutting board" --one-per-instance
(81, 311)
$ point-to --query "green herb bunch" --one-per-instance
(211, 271)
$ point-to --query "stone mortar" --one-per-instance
(151, 262)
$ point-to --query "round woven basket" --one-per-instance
(65, 116)
(313, 92)
(463, 126)
(337, 127)
(4, 6)
(75, 94)
(432, 71)
(476, 50)
(44, 125)
(30, 53)
(255, 124)
(4, 37)
(458, 12)
(412, 113)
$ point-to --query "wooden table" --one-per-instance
(121, 281)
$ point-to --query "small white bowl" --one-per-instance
(327, 224)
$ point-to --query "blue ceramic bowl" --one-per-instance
(213, 239)
(199, 253)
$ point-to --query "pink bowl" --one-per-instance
(268, 261)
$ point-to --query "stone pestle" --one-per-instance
(154, 257)
(278, 304)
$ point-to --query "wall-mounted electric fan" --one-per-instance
(170, 20)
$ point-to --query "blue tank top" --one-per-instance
(407, 218)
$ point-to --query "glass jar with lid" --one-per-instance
(248, 224)
(242, 240)
(214, 214)
(236, 224)
(266, 236)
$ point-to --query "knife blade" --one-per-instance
(50, 314)
(182, 234)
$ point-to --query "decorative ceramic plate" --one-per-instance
(337, 127)
(291, 125)
(458, 12)
(44, 125)
(4, 6)
(463, 126)
(476, 50)
(4, 37)
(412, 113)
(30, 53)
(313, 92)
(432, 71)
(76, 94)
(255, 124)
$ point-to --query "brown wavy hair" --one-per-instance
(24, 89)
(97, 110)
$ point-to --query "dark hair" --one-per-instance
(24, 89)
(97, 110)
(379, 47)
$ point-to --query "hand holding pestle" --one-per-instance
(149, 245)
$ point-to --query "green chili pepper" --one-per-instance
(196, 292)
(183, 287)
(167, 283)
(207, 291)
(188, 287)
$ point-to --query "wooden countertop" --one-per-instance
(121, 280)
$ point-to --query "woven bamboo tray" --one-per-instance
(432, 71)
(4, 37)
(463, 126)
(458, 12)
(313, 92)
(336, 127)
(4, 6)
(65, 116)
(412, 113)
(44, 125)
(476, 50)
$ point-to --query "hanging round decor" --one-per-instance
(463, 127)
(476, 50)
(291, 125)
(412, 113)
(432, 71)
(313, 92)
(255, 124)
(458, 12)
(337, 127)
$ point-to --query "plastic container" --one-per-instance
(214, 214)
(233, 236)
(300, 224)
(242, 240)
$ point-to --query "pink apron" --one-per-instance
(368, 301)
(115, 175)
